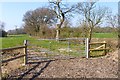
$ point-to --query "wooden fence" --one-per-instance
(102, 47)
(88, 49)
(11, 59)
(15, 48)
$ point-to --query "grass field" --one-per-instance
(17, 40)
(14, 40)
(105, 35)
(49, 45)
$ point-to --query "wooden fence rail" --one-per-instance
(11, 59)
(14, 48)
(93, 43)
(100, 48)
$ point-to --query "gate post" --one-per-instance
(105, 47)
(25, 52)
(87, 48)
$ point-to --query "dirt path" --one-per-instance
(102, 67)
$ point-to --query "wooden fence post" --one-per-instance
(105, 47)
(87, 48)
(25, 52)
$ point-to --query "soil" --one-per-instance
(100, 67)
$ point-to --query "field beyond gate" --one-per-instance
(50, 49)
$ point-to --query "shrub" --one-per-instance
(3, 33)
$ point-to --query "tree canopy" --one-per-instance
(38, 19)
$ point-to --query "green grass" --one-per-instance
(55, 46)
(52, 45)
(14, 40)
(17, 40)
(104, 35)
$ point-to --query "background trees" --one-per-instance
(112, 21)
(38, 21)
(3, 33)
(92, 15)
(54, 21)
(16, 31)
(61, 10)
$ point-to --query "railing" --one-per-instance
(102, 47)
(15, 48)
(25, 55)
(2, 51)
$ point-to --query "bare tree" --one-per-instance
(92, 15)
(84, 29)
(112, 21)
(37, 19)
(61, 10)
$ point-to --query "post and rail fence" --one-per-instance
(102, 47)
(88, 49)
(11, 59)
(15, 48)
(25, 55)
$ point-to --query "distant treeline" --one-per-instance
(65, 32)
(16, 31)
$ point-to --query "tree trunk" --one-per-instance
(58, 27)
(57, 34)
(90, 35)
(58, 31)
